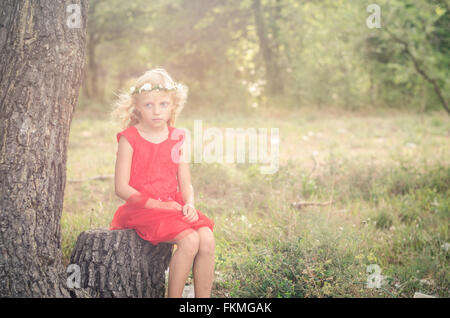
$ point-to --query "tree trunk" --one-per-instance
(42, 56)
(268, 49)
(92, 69)
(120, 264)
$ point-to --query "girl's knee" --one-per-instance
(190, 244)
(207, 242)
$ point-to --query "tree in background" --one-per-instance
(410, 55)
(112, 21)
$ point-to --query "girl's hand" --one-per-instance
(171, 205)
(190, 213)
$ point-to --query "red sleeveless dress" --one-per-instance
(154, 174)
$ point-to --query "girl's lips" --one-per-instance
(157, 119)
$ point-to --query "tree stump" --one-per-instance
(119, 263)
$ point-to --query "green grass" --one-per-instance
(387, 175)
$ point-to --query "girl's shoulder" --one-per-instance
(129, 133)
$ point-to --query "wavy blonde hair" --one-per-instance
(125, 106)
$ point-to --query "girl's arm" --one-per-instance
(184, 178)
(122, 178)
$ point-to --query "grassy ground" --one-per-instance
(387, 176)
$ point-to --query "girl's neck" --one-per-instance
(152, 130)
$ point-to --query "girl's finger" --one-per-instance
(187, 216)
(194, 216)
(190, 217)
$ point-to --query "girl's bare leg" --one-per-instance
(203, 270)
(181, 263)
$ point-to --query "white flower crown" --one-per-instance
(150, 87)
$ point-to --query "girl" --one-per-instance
(152, 175)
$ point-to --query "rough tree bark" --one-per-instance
(120, 264)
(42, 59)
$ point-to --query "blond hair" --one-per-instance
(125, 106)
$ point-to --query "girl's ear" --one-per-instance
(136, 101)
(136, 112)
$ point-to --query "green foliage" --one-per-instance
(412, 37)
(321, 52)
(383, 220)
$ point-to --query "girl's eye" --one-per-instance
(163, 105)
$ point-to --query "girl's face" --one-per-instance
(155, 107)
